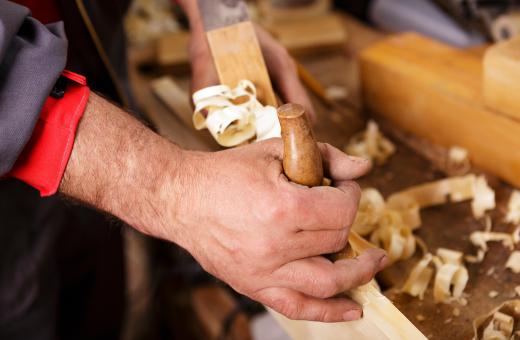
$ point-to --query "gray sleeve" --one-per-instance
(32, 57)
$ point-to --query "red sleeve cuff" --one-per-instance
(44, 159)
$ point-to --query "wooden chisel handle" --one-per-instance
(302, 162)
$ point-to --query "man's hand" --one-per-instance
(248, 225)
(234, 211)
(280, 64)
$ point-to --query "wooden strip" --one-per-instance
(433, 90)
(175, 98)
(502, 77)
(310, 36)
(172, 49)
(237, 56)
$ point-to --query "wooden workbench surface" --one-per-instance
(446, 226)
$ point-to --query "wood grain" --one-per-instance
(434, 91)
(502, 78)
(237, 56)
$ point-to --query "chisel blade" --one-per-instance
(222, 13)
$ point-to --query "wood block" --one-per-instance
(237, 56)
(175, 98)
(502, 77)
(434, 91)
(172, 49)
(310, 36)
(277, 14)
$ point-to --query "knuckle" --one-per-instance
(328, 288)
(262, 247)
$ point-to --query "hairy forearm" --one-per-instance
(120, 166)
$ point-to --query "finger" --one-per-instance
(297, 306)
(321, 278)
(305, 244)
(323, 208)
(284, 73)
(340, 166)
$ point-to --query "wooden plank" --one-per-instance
(310, 36)
(241, 59)
(434, 91)
(175, 98)
(502, 77)
(172, 50)
(272, 13)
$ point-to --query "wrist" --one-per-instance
(119, 166)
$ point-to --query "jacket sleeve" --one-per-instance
(32, 56)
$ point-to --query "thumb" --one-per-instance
(340, 166)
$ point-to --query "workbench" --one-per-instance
(445, 226)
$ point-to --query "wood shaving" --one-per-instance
(493, 294)
(371, 144)
(388, 228)
(419, 278)
(371, 208)
(458, 160)
(499, 323)
(513, 262)
(234, 116)
(484, 197)
(420, 317)
(450, 280)
(513, 208)
(456, 311)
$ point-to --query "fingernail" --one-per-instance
(352, 315)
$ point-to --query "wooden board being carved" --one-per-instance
(237, 56)
(502, 77)
(435, 91)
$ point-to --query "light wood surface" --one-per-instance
(309, 36)
(434, 91)
(502, 77)
(237, 56)
(272, 13)
(172, 49)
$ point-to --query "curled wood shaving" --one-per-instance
(513, 262)
(234, 116)
(450, 279)
(452, 276)
(419, 278)
(388, 228)
(371, 208)
(394, 236)
(500, 323)
(484, 197)
(513, 208)
(481, 238)
(371, 144)
(454, 189)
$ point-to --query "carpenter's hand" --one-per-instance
(280, 65)
(248, 225)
